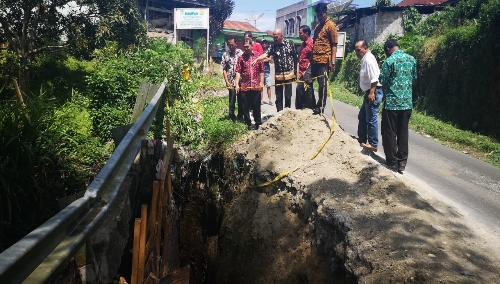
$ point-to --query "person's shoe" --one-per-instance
(401, 166)
(361, 143)
(262, 102)
(271, 103)
(316, 111)
(370, 147)
(390, 165)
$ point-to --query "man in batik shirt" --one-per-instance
(304, 92)
(229, 60)
(285, 67)
(323, 54)
(398, 72)
(251, 79)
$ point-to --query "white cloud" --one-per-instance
(266, 22)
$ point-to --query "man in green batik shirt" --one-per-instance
(397, 75)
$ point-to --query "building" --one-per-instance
(159, 18)
(378, 23)
(290, 18)
(237, 29)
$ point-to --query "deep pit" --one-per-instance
(339, 218)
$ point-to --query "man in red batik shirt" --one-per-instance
(304, 93)
(251, 80)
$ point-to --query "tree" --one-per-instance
(383, 3)
(32, 27)
(220, 10)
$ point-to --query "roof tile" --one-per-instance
(420, 3)
(240, 26)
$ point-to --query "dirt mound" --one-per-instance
(340, 218)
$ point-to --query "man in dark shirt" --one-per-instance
(285, 67)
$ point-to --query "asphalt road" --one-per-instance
(471, 184)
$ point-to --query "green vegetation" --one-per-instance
(457, 50)
(455, 97)
(477, 145)
(54, 146)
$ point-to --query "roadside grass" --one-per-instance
(476, 145)
(200, 119)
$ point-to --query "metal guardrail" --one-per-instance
(41, 254)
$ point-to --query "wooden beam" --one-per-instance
(142, 244)
(135, 251)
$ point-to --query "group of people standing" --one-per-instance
(247, 72)
(316, 59)
(398, 72)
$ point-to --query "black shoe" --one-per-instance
(401, 166)
(249, 127)
(390, 165)
(316, 111)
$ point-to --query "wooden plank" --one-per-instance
(164, 254)
(157, 250)
(146, 92)
(142, 244)
(179, 276)
(151, 279)
(152, 92)
(140, 101)
(151, 245)
(135, 251)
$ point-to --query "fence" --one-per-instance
(40, 255)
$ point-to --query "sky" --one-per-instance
(246, 8)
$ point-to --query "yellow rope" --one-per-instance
(334, 120)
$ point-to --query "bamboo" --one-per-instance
(157, 251)
(151, 245)
(166, 226)
(135, 251)
(142, 244)
(18, 93)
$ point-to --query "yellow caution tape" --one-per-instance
(332, 130)
(280, 176)
(277, 178)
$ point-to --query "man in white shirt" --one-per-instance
(369, 84)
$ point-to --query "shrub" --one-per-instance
(45, 154)
(114, 83)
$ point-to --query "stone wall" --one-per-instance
(379, 26)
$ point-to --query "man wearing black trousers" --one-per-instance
(251, 78)
(285, 67)
(228, 63)
(397, 74)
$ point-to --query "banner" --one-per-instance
(191, 18)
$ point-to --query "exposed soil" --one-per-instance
(340, 218)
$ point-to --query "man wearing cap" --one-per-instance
(323, 54)
(251, 79)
